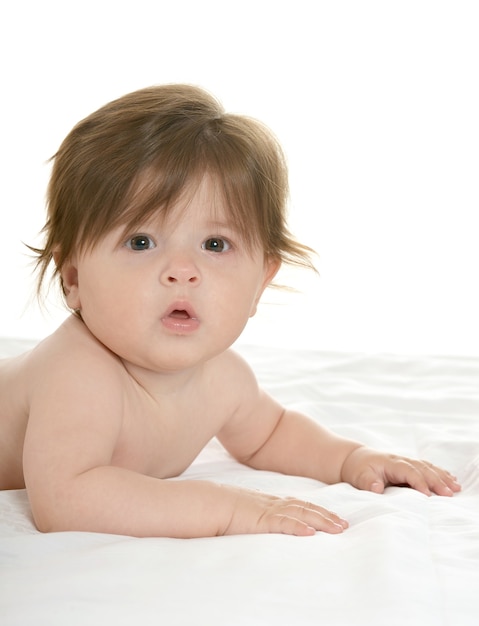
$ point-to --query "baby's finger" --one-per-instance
(370, 480)
(290, 526)
(304, 518)
(405, 473)
(422, 476)
(439, 481)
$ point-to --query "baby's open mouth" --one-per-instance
(180, 314)
(181, 318)
(181, 321)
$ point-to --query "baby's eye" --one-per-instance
(216, 244)
(140, 242)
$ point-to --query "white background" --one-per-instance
(375, 102)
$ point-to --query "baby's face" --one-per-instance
(172, 293)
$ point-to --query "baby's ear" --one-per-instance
(271, 267)
(69, 280)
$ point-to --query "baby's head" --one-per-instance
(136, 156)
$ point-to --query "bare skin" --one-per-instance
(115, 487)
(109, 463)
(97, 418)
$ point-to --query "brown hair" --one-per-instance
(166, 136)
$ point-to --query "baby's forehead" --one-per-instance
(205, 195)
(201, 197)
(196, 213)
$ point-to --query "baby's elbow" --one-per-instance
(48, 523)
(51, 517)
(45, 527)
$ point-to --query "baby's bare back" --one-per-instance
(159, 435)
(13, 420)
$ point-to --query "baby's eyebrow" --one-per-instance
(221, 225)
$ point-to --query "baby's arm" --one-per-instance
(299, 446)
(265, 436)
(74, 484)
(111, 499)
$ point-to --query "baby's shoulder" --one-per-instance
(232, 372)
(72, 354)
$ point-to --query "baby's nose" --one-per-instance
(182, 277)
(181, 271)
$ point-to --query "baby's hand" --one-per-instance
(256, 512)
(368, 469)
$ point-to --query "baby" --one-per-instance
(166, 222)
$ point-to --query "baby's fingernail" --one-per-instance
(341, 525)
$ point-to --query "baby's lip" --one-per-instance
(180, 319)
(181, 311)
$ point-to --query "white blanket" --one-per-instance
(406, 558)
